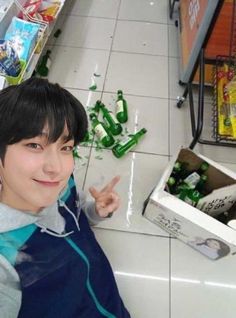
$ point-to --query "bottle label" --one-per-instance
(114, 118)
(49, 62)
(120, 106)
(125, 141)
(189, 201)
(100, 131)
(192, 180)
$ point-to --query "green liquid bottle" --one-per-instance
(101, 132)
(201, 184)
(110, 120)
(191, 196)
(121, 148)
(171, 185)
(122, 109)
(44, 65)
(203, 168)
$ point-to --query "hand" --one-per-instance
(106, 200)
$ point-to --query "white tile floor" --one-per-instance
(133, 46)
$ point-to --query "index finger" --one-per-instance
(111, 184)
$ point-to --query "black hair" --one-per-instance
(26, 108)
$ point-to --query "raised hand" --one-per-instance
(106, 200)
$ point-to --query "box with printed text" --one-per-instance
(201, 226)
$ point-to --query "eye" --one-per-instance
(33, 145)
(67, 148)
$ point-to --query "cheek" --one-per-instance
(69, 166)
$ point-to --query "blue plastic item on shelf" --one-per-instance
(9, 61)
(23, 37)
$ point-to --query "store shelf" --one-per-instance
(46, 30)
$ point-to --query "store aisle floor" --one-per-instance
(132, 45)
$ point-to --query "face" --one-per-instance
(35, 172)
(213, 244)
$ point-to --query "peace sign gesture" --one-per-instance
(106, 200)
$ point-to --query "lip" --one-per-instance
(48, 183)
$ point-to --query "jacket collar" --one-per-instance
(50, 218)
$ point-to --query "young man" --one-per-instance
(50, 262)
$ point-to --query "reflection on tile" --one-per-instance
(81, 165)
(180, 127)
(74, 67)
(154, 119)
(139, 174)
(175, 89)
(94, 8)
(173, 41)
(86, 97)
(138, 74)
(94, 33)
(141, 37)
(144, 10)
(141, 269)
(88, 100)
(209, 290)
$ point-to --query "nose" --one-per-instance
(52, 163)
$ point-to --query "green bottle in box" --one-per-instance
(122, 109)
(203, 168)
(110, 120)
(103, 135)
(122, 147)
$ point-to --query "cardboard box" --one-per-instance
(200, 230)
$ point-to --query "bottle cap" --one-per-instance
(92, 115)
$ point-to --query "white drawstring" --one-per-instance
(62, 203)
(45, 230)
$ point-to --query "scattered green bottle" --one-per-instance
(122, 109)
(101, 131)
(121, 148)
(44, 65)
(110, 120)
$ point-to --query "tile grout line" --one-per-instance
(116, 18)
(168, 70)
(170, 294)
(91, 148)
(110, 51)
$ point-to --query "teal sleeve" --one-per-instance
(10, 293)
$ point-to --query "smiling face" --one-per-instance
(34, 171)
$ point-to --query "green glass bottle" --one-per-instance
(191, 196)
(203, 168)
(122, 109)
(44, 65)
(101, 131)
(121, 148)
(171, 185)
(201, 184)
(110, 120)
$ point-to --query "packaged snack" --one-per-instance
(31, 8)
(23, 36)
(231, 89)
(48, 10)
(9, 61)
(224, 120)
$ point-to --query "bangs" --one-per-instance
(37, 104)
